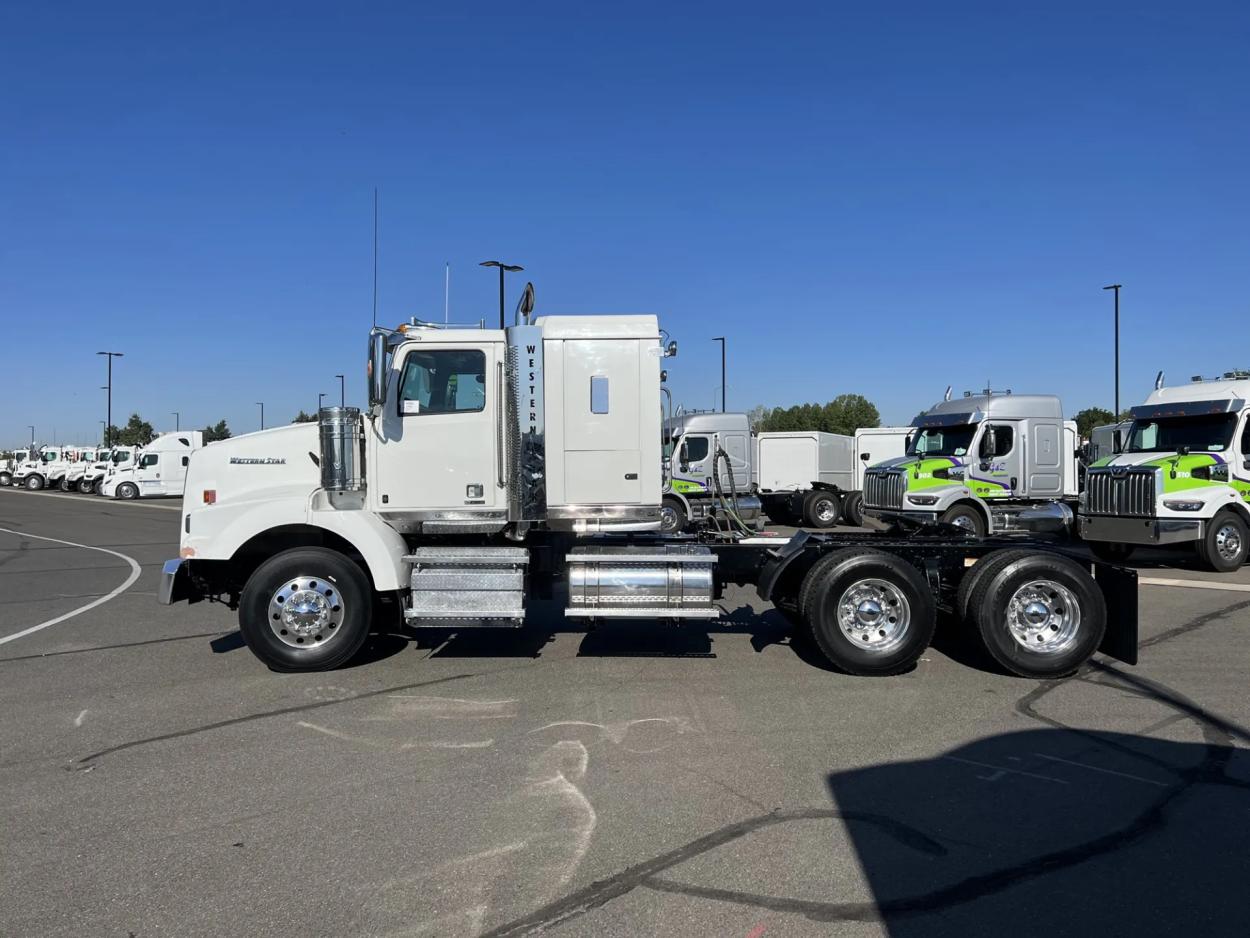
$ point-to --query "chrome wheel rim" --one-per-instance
(965, 522)
(1044, 617)
(1228, 542)
(306, 612)
(874, 615)
(668, 518)
(824, 511)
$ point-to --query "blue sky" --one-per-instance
(883, 199)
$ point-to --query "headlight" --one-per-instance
(1177, 505)
(922, 499)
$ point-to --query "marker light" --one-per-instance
(210, 496)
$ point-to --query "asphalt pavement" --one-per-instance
(638, 779)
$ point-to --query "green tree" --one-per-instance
(1092, 417)
(218, 431)
(758, 415)
(847, 413)
(137, 432)
(302, 417)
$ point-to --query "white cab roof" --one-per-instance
(644, 326)
(1202, 391)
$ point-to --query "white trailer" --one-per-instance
(159, 469)
(816, 478)
(496, 465)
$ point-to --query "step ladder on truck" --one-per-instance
(496, 466)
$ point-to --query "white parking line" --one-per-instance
(1194, 584)
(97, 499)
(134, 575)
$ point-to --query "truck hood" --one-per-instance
(1160, 460)
(268, 464)
(919, 470)
(1177, 472)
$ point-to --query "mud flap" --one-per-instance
(1119, 591)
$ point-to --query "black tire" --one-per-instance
(66, 485)
(337, 582)
(988, 565)
(1110, 552)
(1223, 547)
(127, 491)
(1061, 589)
(97, 487)
(893, 592)
(86, 487)
(34, 482)
(966, 517)
(6, 478)
(673, 517)
(852, 510)
(821, 509)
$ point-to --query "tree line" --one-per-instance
(139, 432)
(845, 414)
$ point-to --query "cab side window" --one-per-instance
(443, 381)
(1004, 440)
(149, 460)
(696, 448)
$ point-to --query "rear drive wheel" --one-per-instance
(821, 509)
(1111, 552)
(34, 483)
(966, 517)
(852, 512)
(307, 609)
(988, 565)
(1223, 547)
(1039, 616)
(127, 490)
(672, 515)
(869, 612)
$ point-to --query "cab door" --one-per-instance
(994, 472)
(148, 474)
(693, 471)
(438, 455)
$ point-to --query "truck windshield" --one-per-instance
(942, 441)
(1210, 434)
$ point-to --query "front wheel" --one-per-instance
(966, 517)
(1039, 615)
(86, 487)
(672, 515)
(1223, 547)
(127, 490)
(6, 478)
(67, 485)
(34, 483)
(307, 609)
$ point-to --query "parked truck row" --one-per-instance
(125, 472)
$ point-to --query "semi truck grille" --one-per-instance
(883, 488)
(1126, 494)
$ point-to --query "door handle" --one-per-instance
(500, 418)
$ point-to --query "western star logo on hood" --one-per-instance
(257, 461)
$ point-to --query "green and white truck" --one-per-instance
(1183, 475)
(990, 462)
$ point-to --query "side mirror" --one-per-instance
(989, 443)
(864, 456)
(907, 442)
(1245, 464)
(377, 368)
(683, 455)
(1085, 452)
(671, 351)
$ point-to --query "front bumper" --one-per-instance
(175, 583)
(1149, 531)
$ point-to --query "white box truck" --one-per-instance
(496, 465)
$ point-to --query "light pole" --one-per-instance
(502, 267)
(32, 437)
(1116, 288)
(342, 391)
(320, 398)
(262, 414)
(177, 420)
(109, 387)
(104, 433)
(721, 340)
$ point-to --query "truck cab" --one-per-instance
(9, 465)
(43, 467)
(991, 462)
(1183, 475)
(158, 470)
(707, 471)
(81, 458)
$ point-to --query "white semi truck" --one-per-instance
(496, 465)
(989, 462)
(81, 458)
(116, 457)
(10, 464)
(1183, 475)
(817, 479)
(158, 469)
(43, 467)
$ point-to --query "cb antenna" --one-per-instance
(375, 256)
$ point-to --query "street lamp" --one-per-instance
(502, 267)
(320, 397)
(104, 432)
(262, 414)
(32, 437)
(342, 391)
(721, 340)
(1116, 288)
(177, 420)
(109, 388)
